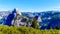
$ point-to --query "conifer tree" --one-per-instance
(34, 24)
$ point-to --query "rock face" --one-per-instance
(20, 20)
(10, 18)
(18, 11)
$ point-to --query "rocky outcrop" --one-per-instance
(20, 20)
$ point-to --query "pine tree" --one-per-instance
(34, 24)
(57, 27)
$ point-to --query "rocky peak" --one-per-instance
(18, 11)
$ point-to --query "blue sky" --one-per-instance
(30, 5)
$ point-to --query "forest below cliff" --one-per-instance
(4, 29)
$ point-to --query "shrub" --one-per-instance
(4, 29)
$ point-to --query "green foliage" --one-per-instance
(4, 29)
(57, 27)
(34, 24)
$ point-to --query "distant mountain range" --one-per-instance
(48, 18)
